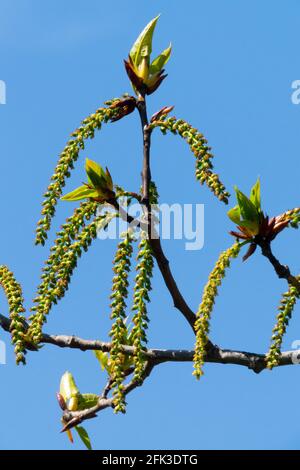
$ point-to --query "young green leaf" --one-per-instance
(255, 195)
(160, 61)
(247, 208)
(234, 215)
(103, 359)
(83, 192)
(87, 400)
(82, 433)
(95, 173)
(143, 43)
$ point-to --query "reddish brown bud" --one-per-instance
(124, 107)
(61, 401)
(250, 251)
(162, 112)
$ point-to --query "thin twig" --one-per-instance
(73, 418)
(283, 272)
(162, 261)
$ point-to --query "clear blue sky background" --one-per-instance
(230, 75)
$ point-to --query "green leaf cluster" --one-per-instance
(247, 213)
(99, 187)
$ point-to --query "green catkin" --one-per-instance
(65, 237)
(69, 231)
(15, 300)
(118, 333)
(57, 280)
(199, 147)
(285, 308)
(142, 287)
(205, 309)
(141, 297)
(66, 163)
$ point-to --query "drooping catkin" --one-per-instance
(118, 333)
(57, 279)
(210, 292)
(199, 147)
(141, 297)
(69, 231)
(13, 293)
(285, 308)
(66, 163)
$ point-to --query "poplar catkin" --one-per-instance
(285, 308)
(141, 297)
(58, 278)
(206, 307)
(13, 293)
(119, 333)
(66, 163)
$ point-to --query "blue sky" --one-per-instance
(230, 75)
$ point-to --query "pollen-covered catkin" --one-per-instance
(141, 297)
(58, 278)
(66, 163)
(285, 308)
(207, 304)
(13, 293)
(118, 333)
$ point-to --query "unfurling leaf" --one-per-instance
(103, 359)
(99, 187)
(82, 433)
(146, 78)
(143, 44)
(83, 192)
(234, 215)
(247, 208)
(160, 61)
(255, 195)
(87, 400)
(95, 174)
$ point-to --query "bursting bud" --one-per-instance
(146, 76)
(98, 188)
(69, 391)
(253, 225)
(123, 107)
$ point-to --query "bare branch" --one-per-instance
(283, 272)
(254, 361)
(162, 261)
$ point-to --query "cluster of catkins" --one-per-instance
(66, 162)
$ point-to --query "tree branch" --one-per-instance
(283, 272)
(254, 361)
(162, 261)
